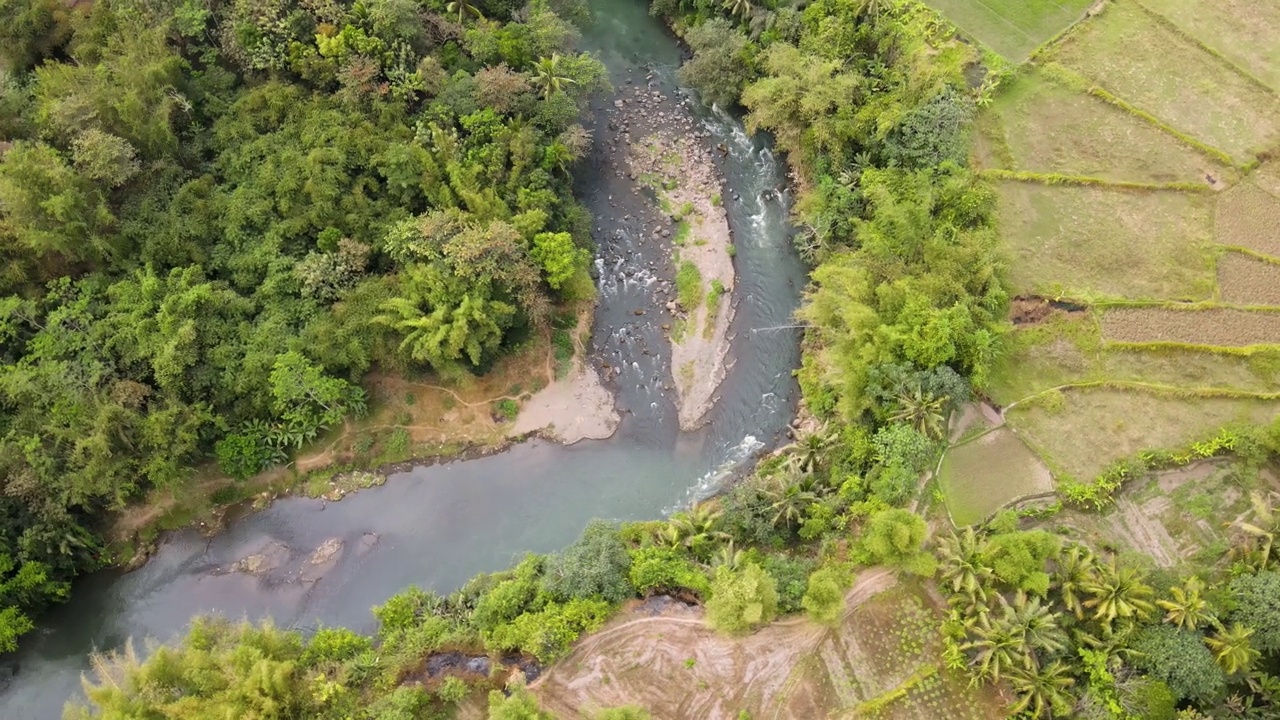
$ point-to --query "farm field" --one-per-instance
(1012, 28)
(1139, 192)
(883, 660)
(988, 472)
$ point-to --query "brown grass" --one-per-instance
(1220, 327)
(1052, 129)
(1245, 280)
(1091, 242)
(1128, 53)
(1247, 32)
(1096, 427)
(1249, 217)
(1267, 177)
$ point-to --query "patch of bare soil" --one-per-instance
(678, 166)
(1223, 327)
(1246, 280)
(675, 666)
(1033, 310)
(1248, 216)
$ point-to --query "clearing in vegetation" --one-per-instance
(1089, 243)
(1244, 280)
(1245, 32)
(983, 475)
(1249, 217)
(1220, 327)
(1081, 431)
(885, 656)
(1012, 28)
(1132, 55)
(1039, 125)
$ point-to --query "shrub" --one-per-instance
(1257, 606)
(596, 564)
(1180, 659)
(824, 598)
(334, 644)
(519, 705)
(895, 538)
(662, 569)
(1019, 559)
(791, 576)
(743, 600)
(628, 712)
(689, 286)
(548, 633)
(722, 64)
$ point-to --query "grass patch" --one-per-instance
(1243, 31)
(1153, 67)
(1040, 125)
(681, 235)
(689, 286)
(1012, 28)
(1218, 327)
(713, 306)
(1099, 426)
(1095, 243)
(982, 476)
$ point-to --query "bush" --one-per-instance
(1180, 659)
(743, 600)
(932, 133)
(1257, 606)
(596, 564)
(510, 597)
(548, 633)
(519, 705)
(824, 598)
(628, 712)
(335, 645)
(689, 286)
(792, 577)
(895, 538)
(662, 569)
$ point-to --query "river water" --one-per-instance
(438, 526)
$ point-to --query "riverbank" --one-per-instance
(665, 150)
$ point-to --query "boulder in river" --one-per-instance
(267, 559)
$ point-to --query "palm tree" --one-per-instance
(728, 557)
(922, 411)
(548, 76)
(1074, 569)
(810, 451)
(463, 8)
(696, 527)
(1258, 536)
(1232, 649)
(1118, 593)
(962, 567)
(1112, 643)
(1042, 692)
(996, 646)
(738, 8)
(1187, 609)
(790, 500)
(1036, 625)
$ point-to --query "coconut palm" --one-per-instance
(1036, 625)
(548, 76)
(728, 557)
(962, 567)
(697, 527)
(738, 8)
(1257, 536)
(790, 500)
(1232, 648)
(1073, 570)
(922, 411)
(1112, 643)
(995, 645)
(1042, 692)
(811, 450)
(1118, 593)
(463, 8)
(1185, 608)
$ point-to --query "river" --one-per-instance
(438, 526)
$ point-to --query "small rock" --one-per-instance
(638, 311)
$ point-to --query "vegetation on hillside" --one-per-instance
(216, 218)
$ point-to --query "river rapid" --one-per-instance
(438, 526)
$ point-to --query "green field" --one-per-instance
(1012, 28)
(988, 472)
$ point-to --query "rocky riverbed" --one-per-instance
(663, 149)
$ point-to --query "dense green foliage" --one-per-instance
(742, 600)
(216, 218)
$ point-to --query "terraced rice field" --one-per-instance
(1220, 327)
(1249, 217)
(1095, 427)
(1243, 31)
(1245, 280)
(983, 475)
(1095, 242)
(1156, 69)
(1039, 125)
(1012, 28)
